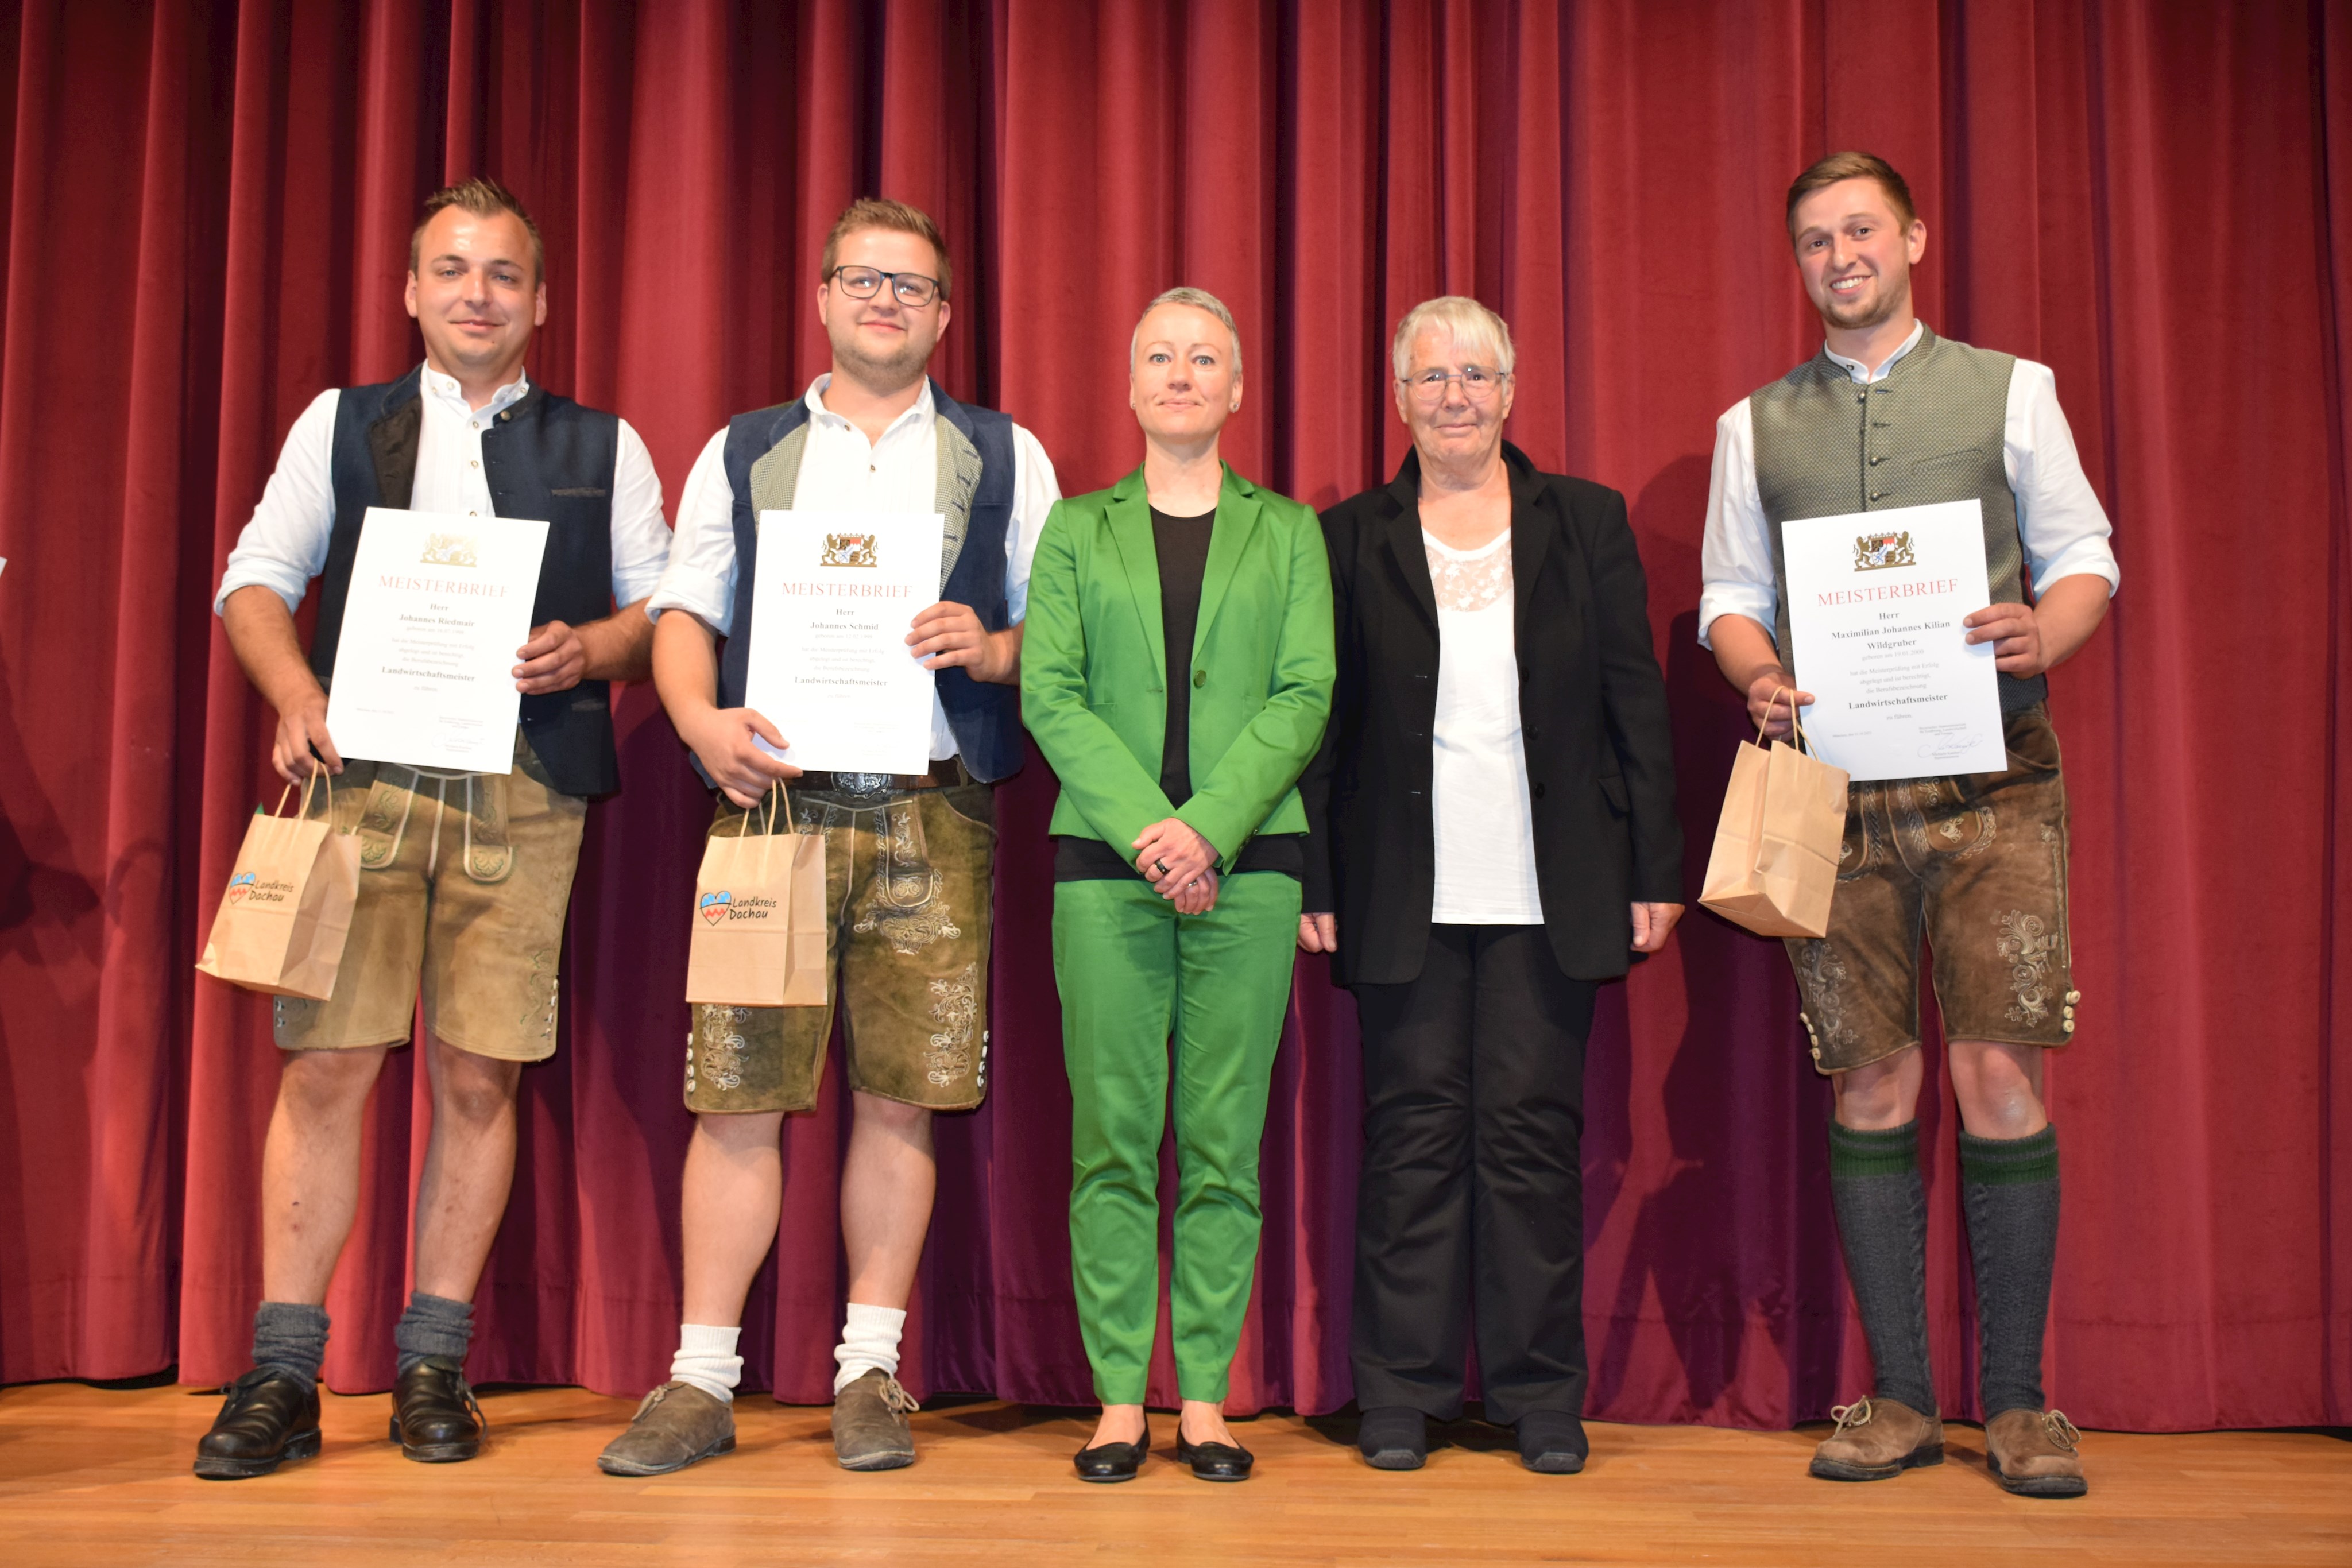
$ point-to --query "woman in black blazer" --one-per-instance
(1492, 832)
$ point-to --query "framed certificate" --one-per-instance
(424, 666)
(832, 598)
(1875, 601)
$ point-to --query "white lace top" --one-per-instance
(1479, 799)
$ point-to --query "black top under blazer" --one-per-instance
(1592, 714)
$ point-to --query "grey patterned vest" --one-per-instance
(1930, 431)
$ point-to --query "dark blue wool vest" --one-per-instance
(985, 717)
(546, 457)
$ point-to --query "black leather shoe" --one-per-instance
(1393, 1438)
(1214, 1462)
(1552, 1442)
(1114, 1461)
(434, 1419)
(268, 1418)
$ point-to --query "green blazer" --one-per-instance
(1094, 674)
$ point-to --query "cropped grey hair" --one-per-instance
(1486, 334)
(1200, 299)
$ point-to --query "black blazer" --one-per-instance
(1592, 710)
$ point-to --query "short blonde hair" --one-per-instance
(1199, 299)
(1470, 322)
(900, 218)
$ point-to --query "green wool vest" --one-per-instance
(1827, 445)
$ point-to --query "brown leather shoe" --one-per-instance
(2033, 1453)
(1877, 1439)
(267, 1419)
(434, 1417)
(869, 1423)
(675, 1425)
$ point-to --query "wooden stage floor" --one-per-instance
(90, 1475)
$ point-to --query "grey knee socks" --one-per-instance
(2010, 1186)
(1882, 1216)
(434, 1328)
(290, 1337)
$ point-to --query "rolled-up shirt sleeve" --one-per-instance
(1035, 488)
(699, 578)
(1735, 552)
(2064, 529)
(284, 544)
(640, 534)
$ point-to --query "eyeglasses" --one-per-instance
(1479, 384)
(863, 282)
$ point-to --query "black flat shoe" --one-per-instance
(267, 1419)
(1552, 1442)
(1214, 1462)
(1393, 1438)
(1114, 1461)
(434, 1416)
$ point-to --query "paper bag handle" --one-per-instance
(302, 807)
(768, 827)
(1795, 724)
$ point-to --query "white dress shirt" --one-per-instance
(284, 546)
(1478, 801)
(842, 471)
(2064, 528)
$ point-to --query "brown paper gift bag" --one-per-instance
(759, 918)
(287, 910)
(1775, 863)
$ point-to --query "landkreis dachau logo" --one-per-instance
(1876, 552)
(240, 886)
(848, 549)
(713, 906)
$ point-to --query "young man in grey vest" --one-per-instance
(464, 878)
(909, 858)
(1889, 415)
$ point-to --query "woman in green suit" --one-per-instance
(1176, 670)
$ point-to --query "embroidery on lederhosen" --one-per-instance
(904, 901)
(384, 821)
(1821, 972)
(541, 983)
(2030, 947)
(1916, 800)
(955, 1006)
(721, 1042)
(490, 857)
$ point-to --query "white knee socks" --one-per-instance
(707, 1359)
(868, 1340)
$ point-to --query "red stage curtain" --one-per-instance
(206, 224)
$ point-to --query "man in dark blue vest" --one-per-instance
(1890, 415)
(909, 857)
(464, 878)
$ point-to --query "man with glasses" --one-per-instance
(908, 858)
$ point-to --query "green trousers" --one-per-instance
(1132, 971)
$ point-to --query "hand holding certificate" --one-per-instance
(832, 597)
(1875, 605)
(437, 606)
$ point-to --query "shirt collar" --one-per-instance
(920, 415)
(1861, 371)
(448, 391)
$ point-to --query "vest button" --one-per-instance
(1862, 397)
(1537, 791)
(1873, 495)
(1200, 678)
(1876, 461)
